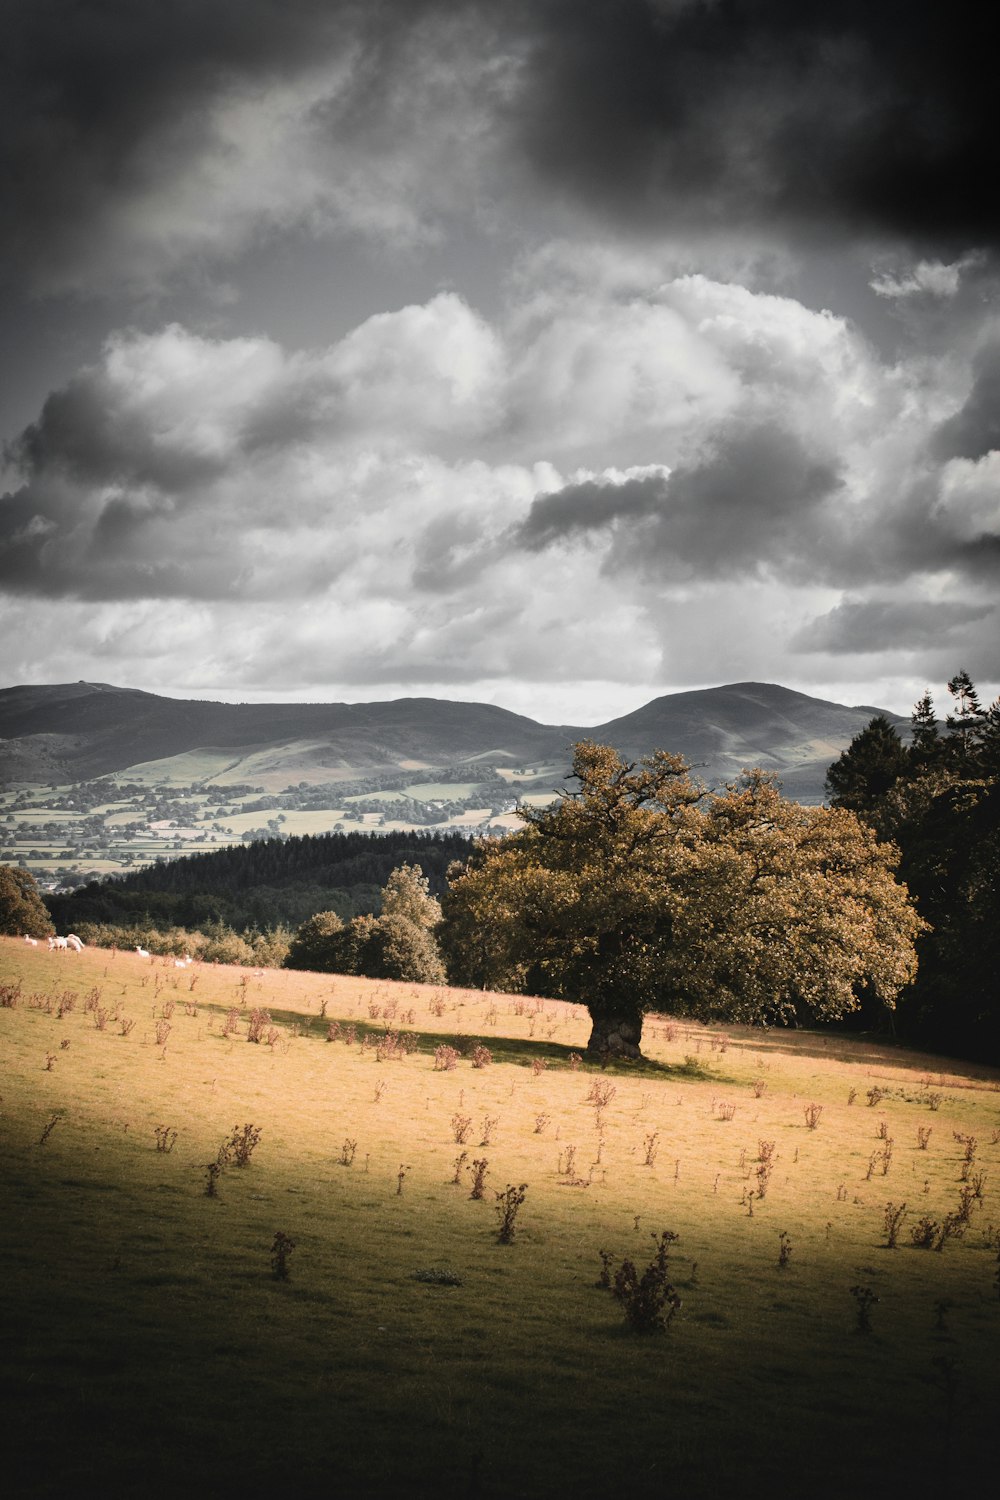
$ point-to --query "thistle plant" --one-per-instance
(649, 1301)
(281, 1249)
(864, 1301)
(891, 1222)
(508, 1205)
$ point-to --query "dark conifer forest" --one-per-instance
(263, 884)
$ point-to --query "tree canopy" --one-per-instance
(23, 913)
(398, 944)
(640, 891)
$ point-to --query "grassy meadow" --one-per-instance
(148, 1344)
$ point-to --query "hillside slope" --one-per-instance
(79, 731)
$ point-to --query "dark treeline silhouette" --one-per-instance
(264, 883)
(937, 797)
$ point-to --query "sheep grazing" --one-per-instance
(142, 952)
(31, 940)
(58, 942)
(77, 944)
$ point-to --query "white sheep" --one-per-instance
(31, 940)
(58, 942)
(142, 952)
(77, 944)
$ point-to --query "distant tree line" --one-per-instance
(267, 883)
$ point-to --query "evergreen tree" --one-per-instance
(943, 812)
(924, 737)
(869, 768)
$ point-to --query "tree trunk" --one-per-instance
(615, 1035)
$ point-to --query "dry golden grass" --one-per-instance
(151, 1340)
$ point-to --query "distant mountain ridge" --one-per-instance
(79, 731)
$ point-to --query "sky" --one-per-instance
(550, 353)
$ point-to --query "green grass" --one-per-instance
(148, 1347)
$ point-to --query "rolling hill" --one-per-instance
(79, 731)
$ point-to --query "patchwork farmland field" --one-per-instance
(86, 829)
(150, 1346)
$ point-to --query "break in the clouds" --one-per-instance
(491, 348)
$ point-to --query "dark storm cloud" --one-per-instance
(100, 103)
(751, 503)
(51, 547)
(84, 434)
(590, 506)
(875, 625)
(877, 116)
(851, 117)
(975, 430)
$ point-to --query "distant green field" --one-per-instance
(106, 835)
(150, 1348)
(441, 791)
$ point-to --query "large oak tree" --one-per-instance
(639, 891)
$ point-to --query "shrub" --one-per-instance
(258, 1024)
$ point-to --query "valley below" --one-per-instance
(96, 779)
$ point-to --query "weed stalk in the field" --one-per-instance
(864, 1300)
(891, 1222)
(508, 1205)
(281, 1249)
(240, 1146)
(649, 1301)
(479, 1168)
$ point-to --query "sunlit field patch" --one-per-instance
(152, 1343)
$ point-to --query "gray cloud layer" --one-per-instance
(239, 115)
